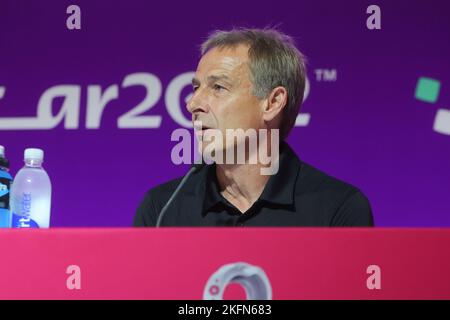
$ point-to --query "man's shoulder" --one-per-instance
(347, 204)
(162, 192)
(165, 189)
(312, 179)
(155, 199)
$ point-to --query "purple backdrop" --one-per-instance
(366, 125)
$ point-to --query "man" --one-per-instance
(252, 79)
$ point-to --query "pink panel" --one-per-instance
(176, 263)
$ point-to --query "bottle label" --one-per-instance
(22, 218)
(5, 218)
(5, 175)
(5, 182)
(4, 189)
(5, 214)
(23, 222)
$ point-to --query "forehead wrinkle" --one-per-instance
(236, 68)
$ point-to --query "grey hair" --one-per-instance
(274, 61)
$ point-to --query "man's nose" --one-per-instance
(197, 103)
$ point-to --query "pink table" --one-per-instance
(176, 263)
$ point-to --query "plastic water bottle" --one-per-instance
(31, 193)
(5, 184)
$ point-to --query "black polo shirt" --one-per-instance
(297, 195)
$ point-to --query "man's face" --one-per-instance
(223, 97)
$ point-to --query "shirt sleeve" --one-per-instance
(354, 212)
(145, 213)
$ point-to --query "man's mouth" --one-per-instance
(203, 128)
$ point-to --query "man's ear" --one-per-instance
(276, 101)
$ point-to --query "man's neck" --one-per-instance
(241, 184)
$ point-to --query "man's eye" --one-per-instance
(194, 88)
(218, 87)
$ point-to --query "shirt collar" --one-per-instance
(280, 188)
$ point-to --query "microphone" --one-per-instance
(194, 168)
